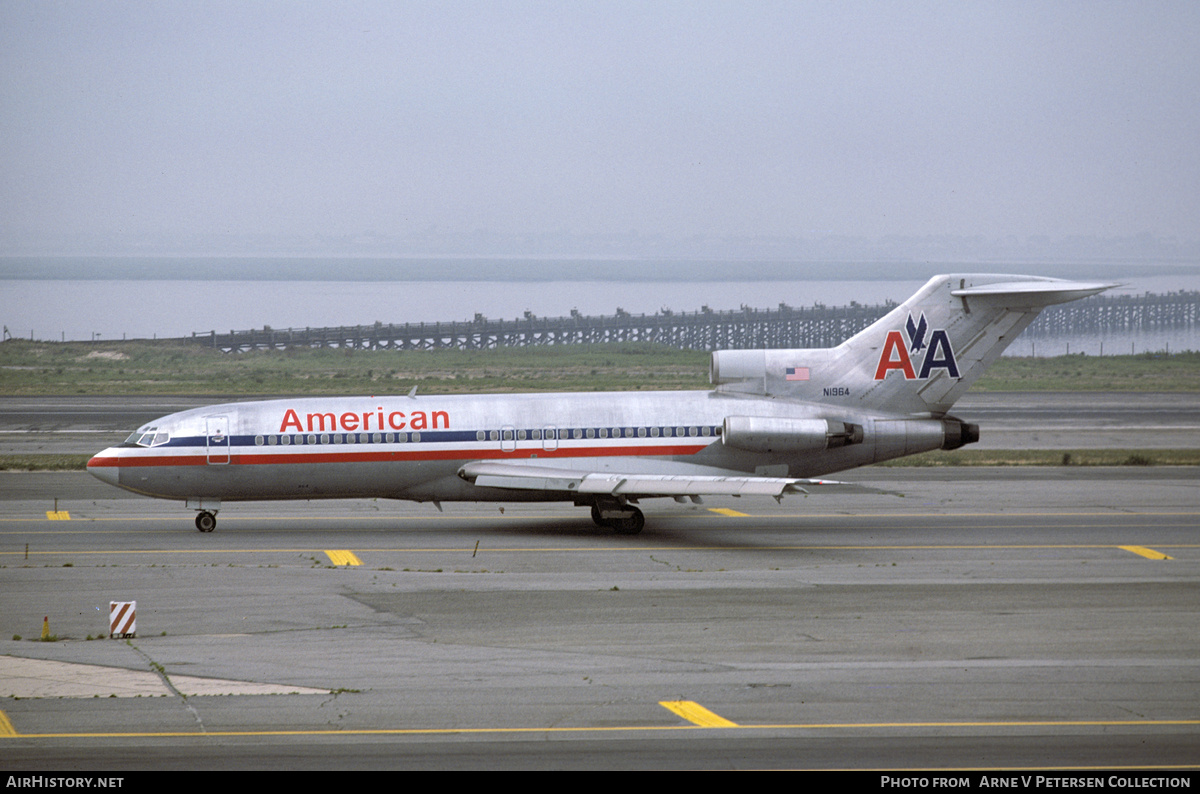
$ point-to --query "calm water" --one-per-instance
(74, 310)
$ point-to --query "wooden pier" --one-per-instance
(745, 329)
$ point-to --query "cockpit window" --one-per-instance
(150, 437)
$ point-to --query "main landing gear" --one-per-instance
(206, 521)
(625, 520)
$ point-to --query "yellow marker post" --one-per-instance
(695, 713)
(58, 515)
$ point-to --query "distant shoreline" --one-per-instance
(549, 269)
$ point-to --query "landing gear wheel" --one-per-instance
(630, 524)
(600, 522)
(206, 521)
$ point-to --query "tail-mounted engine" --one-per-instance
(774, 434)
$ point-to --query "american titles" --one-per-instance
(331, 422)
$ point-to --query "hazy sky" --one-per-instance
(672, 118)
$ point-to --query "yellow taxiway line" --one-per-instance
(696, 714)
(8, 732)
(610, 549)
(1149, 554)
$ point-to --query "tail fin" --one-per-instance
(919, 358)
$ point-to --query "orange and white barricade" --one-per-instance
(122, 619)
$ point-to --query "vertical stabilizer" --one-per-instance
(917, 359)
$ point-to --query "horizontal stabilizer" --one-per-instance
(1034, 293)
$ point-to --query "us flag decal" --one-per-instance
(796, 373)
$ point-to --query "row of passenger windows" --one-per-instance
(338, 438)
(510, 434)
(507, 434)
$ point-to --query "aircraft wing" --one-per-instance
(531, 477)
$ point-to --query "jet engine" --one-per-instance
(776, 434)
(898, 437)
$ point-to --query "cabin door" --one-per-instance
(218, 439)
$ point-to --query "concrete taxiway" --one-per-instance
(987, 618)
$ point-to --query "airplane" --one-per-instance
(773, 424)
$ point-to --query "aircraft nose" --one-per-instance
(104, 467)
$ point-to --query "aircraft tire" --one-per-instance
(631, 524)
(206, 521)
(596, 519)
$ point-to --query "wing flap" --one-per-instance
(526, 477)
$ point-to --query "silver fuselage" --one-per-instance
(412, 448)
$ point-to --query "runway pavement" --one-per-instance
(987, 618)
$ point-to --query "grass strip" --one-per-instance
(171, 367)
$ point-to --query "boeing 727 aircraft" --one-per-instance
(774, 420)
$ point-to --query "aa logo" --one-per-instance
(897, 354)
